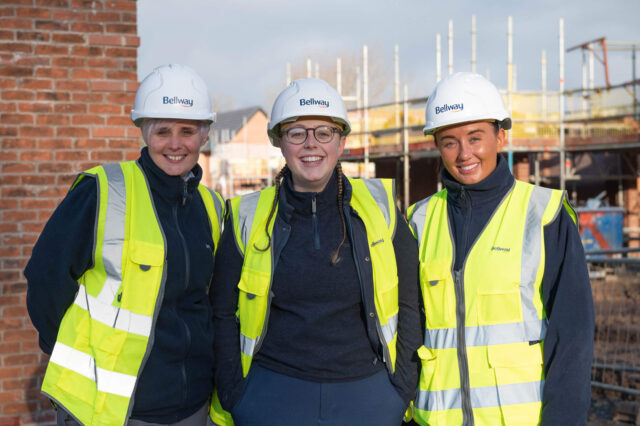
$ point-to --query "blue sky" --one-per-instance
(241, 47)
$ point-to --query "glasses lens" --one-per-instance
(324, 134)
(296, 135)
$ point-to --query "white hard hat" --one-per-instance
(172, 91)
(305, 97)
(464, 97)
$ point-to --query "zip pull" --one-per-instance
(314, 218)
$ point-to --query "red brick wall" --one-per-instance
(67, 82)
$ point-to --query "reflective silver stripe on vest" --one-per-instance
(112, 316)
(113, 232)
(481, 397)
(379, 194)
(418, 218)
(217, 205)
(531, 253)
(85, 365)
(246, 212)
(390, 328)
(247, 345)
(487, 335)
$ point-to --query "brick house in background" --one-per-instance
(67, 82)
(240, 158)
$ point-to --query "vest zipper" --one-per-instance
(184, 367)
(184, 247)
(314, 219)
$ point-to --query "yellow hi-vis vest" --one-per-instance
(482, 359)
(373, 200)
(106, 334)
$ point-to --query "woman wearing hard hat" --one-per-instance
(506, 292)
(314, 307)
(118, 280)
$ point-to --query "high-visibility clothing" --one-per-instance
(104, 337)
(373, 201)
(482, 358)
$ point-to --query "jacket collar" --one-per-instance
(493, 187)
(173, 189)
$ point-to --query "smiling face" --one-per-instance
(469, 151)
(174, 145)
(311, 163)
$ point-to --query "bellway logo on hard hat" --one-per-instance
(185, 102)
(314, 102)
(450, 108)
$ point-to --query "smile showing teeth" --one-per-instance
(467, 168)
(175, 157)
(311, 159)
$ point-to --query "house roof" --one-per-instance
(234, 120)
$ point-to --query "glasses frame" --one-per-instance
(285, 134)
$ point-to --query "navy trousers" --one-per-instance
(272, 399)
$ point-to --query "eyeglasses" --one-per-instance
(298, 135)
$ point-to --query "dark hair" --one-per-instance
(278, 183)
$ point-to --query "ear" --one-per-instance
(343, 141)
(500, 139)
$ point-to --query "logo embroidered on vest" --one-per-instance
(504, 249)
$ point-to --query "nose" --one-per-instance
(465, 151)
(311, 138)
(174, 141)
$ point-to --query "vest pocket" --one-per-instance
(428, 377)
(519, 381)
(141, 278)
(499, 307)
(438, 293)
(253, 283)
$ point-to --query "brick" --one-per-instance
(89, 51)
(38, 179)
(11, 324)
(12, 311)
(17, 95)
(36, 131)
(10, 397)
(12, 372)
(121, 98)
(88, 74)
(71, 156)
(8, 228)
(72, 108)
(70, 62)
(86, 4)
(72, 132)
(7, 83)
(53, 3)
(5, 34)
(36, 84)
(103, 63)
(118, 121)
(105, 109)
(104, 17)
(131, 156)
(7, 107)
(50, 49)
(36, 156)
(32, 36)
(121, 52)
(54, 144)
(107, 86)
(15, 71)
(132, 41)
(52, 73)
(16, 118)
(86, 27)
(33, 61)
(105, 40)
(33, 12)
(67, 180)
(88, 119)
(36, 204)
(131, 18)
(70, 15)
(34, 107)
(16, 384)
(72, 85)
(87, 97)
(8, 156)
(52, 25)
(9, 180)
(8, 131)
(53, 119)
(18, 168)
(9, 300)
(7, 11)
(106, 156)
(121, 75)
(122, 29)
(16, 23)
(90, 143)
(107, 132)
(53, 96)
(8, 204)
(16, 47)
(11, 347)
(54, 191)
(120, 5)
(54, 168)
(19, 408)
